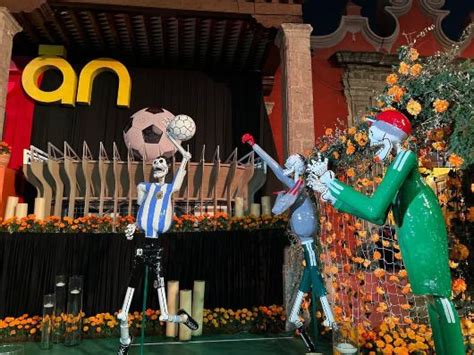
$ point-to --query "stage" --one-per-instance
(285, 344)
(241, 268)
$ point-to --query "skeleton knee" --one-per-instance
(122, 317)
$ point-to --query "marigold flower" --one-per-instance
(328, 131)
(361, 139)
(351, 131)
(402, 273)
(375, 237)
(391, 79)
(413, 107)
(460, 252)
(413, 53)
(377, 255)
(350, 172)
(416, 69)
(440, 106)
(397, 93)
(459, 286)
(404, 68)
(439, 146)
(455, 160)
(382, 307)
(335, 155)
(406, 289)
(350, 149)
(379, 272)
(405, 306)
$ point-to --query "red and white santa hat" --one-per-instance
(393, 122)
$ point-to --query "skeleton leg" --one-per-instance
(317, 284)
(125, 339)
(181, 316)
(294, 318)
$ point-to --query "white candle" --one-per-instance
(255, 209)
(239, 207)
(21, 210)
(39, 208)
(266, 206)
(173, 305)
(185, 297)
(198, 304)
(12, 201)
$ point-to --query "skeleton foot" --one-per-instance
(181, 317)
(123, 349)
(306, 339)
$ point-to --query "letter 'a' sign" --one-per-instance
(71, 89)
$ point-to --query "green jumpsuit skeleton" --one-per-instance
(420, 224)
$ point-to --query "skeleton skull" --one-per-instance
(160, 168)
(294, 165)
(384, 140)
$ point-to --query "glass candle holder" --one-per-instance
(344, 341)
(59, 324)
(74, 312)
(49, 303)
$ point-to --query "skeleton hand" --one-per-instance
(317, 167)
(326, 196)
(315, 183)
(130, 231)
(248, 138)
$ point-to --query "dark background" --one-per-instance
(241, 268)
(224, 106)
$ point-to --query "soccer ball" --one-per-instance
(145, 134)
(182, 128)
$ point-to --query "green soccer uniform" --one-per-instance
(421, 232)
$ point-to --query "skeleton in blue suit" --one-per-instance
(303, 223)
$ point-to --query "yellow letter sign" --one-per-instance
(94, 68)
(65, 93)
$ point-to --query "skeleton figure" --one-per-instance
(303, 223)
(420, 223)
(154, 218)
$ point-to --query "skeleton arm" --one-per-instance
(272, 164)
(141, 189)
(181, 173)
(374, 208)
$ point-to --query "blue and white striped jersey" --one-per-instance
(155, 213)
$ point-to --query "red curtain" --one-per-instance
(18, 118)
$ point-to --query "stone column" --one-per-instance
(297, 87)
(8, 28)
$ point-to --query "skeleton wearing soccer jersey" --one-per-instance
(154, 218)
(303, 223)
(421, 229)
